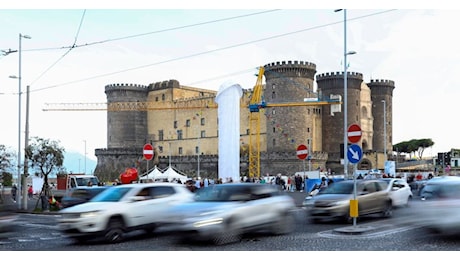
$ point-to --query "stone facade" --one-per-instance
(181, 124)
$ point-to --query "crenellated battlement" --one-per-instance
(126, 86)
(298, 69)
(284, 64)
(385, 82)
(165, 84)
(336, 75)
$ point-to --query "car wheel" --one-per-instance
(388, 210)
(284, 225)
(114, 232)
(409, 199)
(230, 234)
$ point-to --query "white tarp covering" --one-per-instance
(155, 173)
(37, 184)
(228, 115)
(172, 174)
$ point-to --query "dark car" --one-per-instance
(80, 195)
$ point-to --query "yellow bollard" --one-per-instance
(354, 208)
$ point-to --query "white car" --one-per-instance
(399, 191)
(120, 209)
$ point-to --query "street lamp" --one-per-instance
(19, 77)
(384, 134)
(345, 94)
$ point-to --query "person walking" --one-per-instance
(14, 191)
(30, 192)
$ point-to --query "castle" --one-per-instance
(181, 124)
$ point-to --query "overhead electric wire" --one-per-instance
(67, 52)
(155, 32)
(211, 51)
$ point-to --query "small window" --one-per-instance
(203, 134)
(197, 149)
(179, 135)
(160, 135)
(180, 150)
(203, 121)
(163, 97)
(175, 124)
(187, 123)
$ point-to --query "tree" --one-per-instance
(45, 156)
(414, 146)
(6, 158)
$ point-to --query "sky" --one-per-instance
(74, 51)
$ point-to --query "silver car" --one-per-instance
(223, 213)
(333, 203)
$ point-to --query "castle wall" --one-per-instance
(333, 130)
(126, 129)
(289, 126)
(382, 90)
(181, 123)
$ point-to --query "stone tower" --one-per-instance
(333, 130)
(126, 129)
(126, 133)
(288, 126)
(382, 90)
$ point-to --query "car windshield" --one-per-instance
(112, 194)
(223, 193)
(338, 188)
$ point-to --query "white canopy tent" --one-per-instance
(172, 174)
(155, 173)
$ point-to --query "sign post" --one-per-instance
(148, 154)
(302, 154)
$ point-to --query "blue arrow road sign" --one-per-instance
(354, 153)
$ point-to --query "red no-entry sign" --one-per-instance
(354, 133)
(302, 152)
(148, 152)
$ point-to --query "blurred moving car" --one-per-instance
(80, 195)
(333, 202)
(120, 209)
(8, 219)
(439, 210)
(223, 213)
(400, 191)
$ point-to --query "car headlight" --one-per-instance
(340, 203)
(89, 214)
(308, 201)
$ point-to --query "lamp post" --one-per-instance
(345, 94)
(384, 134)
(19, 77)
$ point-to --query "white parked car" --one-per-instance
(120, 209)
(399, 191)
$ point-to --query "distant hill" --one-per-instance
(75, 163)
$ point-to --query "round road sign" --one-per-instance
(302, 152)
(148, 152)
(354, 133)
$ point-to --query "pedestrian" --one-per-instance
(30, 192)
(14, 190)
